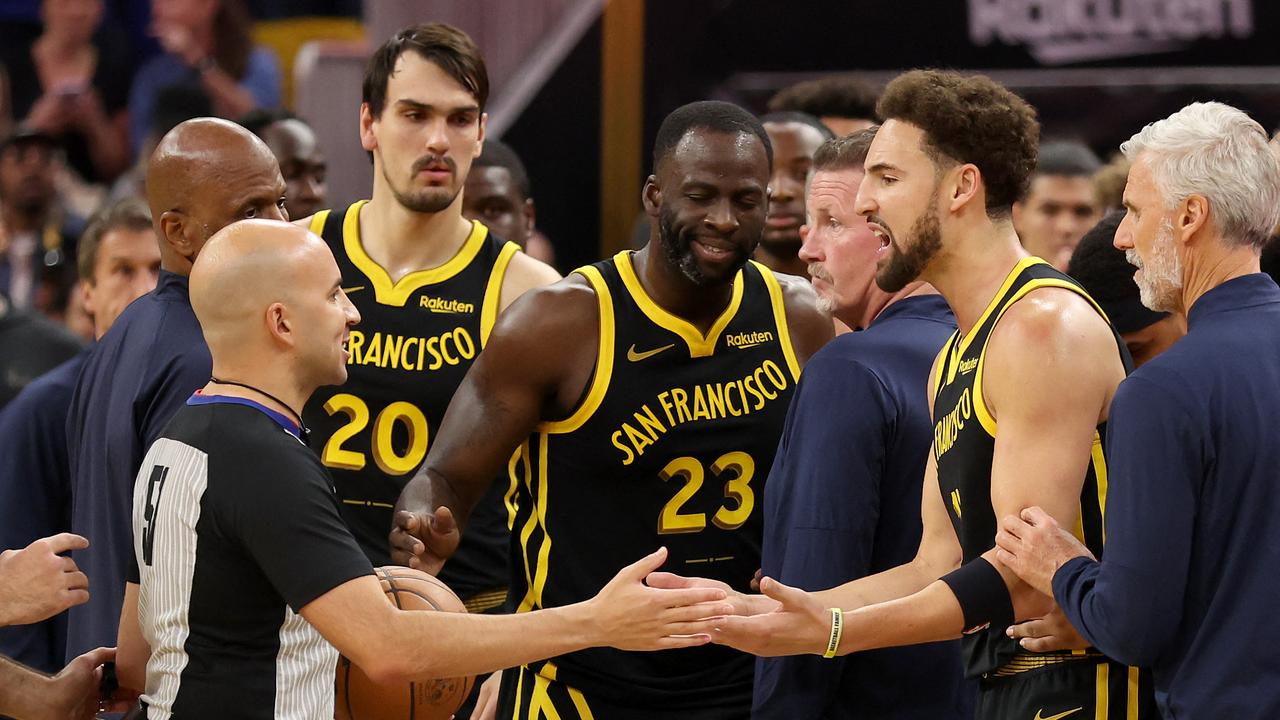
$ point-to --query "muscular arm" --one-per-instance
(534, 367)
(1051, 368)
(1047, 403)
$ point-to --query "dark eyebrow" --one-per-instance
(882, 167)
(407, 104)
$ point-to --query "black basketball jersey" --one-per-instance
(964, 445)
(416, 340)
(671, 445)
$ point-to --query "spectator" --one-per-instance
(74, 90)
(1060, 206)
(207, 45)
(118, 261)
(1108, 276)
(843, 103)
(794, 136)
(302, 162)
(35, 267)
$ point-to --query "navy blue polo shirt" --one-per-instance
(137, 376)
(35, 495)
(843, 502)
(1188, 585)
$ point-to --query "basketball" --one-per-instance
(359, 698)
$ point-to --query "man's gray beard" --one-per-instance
(1161, 279)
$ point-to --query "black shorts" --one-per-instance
(529, 695)
(1072, 690)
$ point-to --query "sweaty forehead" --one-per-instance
(704, 153)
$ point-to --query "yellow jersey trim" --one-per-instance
(1131, 704)
(967, 338)
(316, 226)
(604, 359)
(520, 673)
(1100, 473)
(493, 291)
(533, 596)
(699, 345)
(385, 291)
(519, 461)
(1103, 699)
(780, 318)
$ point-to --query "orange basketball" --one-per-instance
(359, 698)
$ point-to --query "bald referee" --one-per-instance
(244, 571)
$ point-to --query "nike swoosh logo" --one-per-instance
(634, 356)
(1058, 716)
(352, 289)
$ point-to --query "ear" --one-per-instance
(368, 140)
(175, 226)
(530, 214)
(651, 196)
(967, 180)
(85, 288)
(484, 122)
(279, 325)
(1192, 215)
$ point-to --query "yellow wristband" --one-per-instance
(837, 629)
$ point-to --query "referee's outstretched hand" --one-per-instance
(633, 616)
(37, 582)
(423, 541)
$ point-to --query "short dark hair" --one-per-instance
(845, 153)
(711, 115)
(445, 45)
(499, 154)
(129, 214)
(1108, 277)
(970, 119)
(842, 96)
(1068, 158)
(802, 118)
(258, 120)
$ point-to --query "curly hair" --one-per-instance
(970, 119)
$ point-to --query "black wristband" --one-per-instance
(983, 596)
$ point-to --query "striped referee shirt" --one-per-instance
(236, 528)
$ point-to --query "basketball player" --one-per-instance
(794, 137)
(242, 568)
(1019, 399)
(203, 175)
(649, 392)
(1187, 583)
(429, 285)
(1061, 203)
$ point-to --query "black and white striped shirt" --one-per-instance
(236, 528)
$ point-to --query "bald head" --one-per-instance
(267, 295)
(205, 174)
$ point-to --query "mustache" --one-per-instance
(426, 161)
(818, 271)
(880, 221)
(1131, 256)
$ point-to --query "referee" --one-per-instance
(244, 572)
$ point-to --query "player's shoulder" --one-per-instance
(1049, 316)
(525, 273)
(811, 328)
(550, 310)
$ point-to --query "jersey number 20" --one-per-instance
(384, 455)
(736, 489)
